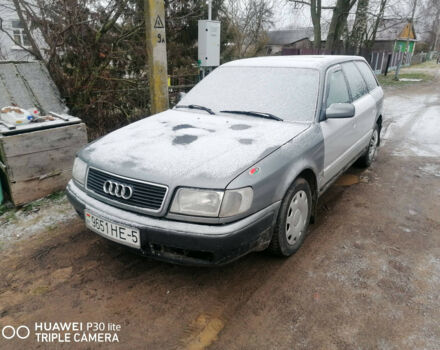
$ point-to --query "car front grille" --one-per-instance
(145, 195)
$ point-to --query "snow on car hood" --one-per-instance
(180, 148)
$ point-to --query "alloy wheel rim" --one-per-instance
(373, 145)
(296, 217)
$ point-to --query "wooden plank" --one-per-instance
(41, 164)
(26, 191)
(31, 127)
(44, 140)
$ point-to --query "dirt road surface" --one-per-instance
(367, 277)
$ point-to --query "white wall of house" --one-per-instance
(10, 23)
(274, 49)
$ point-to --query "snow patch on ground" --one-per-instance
(431, 169)
(423, 138)
(398, 112)
(37, 217)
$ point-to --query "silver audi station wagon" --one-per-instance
(238, 165)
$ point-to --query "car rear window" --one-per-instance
(367, 74)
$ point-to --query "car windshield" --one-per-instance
(287, 93)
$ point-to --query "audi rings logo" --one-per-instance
(21, 332)
(117, 189)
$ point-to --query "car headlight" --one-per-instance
(197, 202)
(212, 203)
(79, 171)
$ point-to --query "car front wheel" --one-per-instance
(293, 219)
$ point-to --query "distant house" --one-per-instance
(279, 40)
(13, 39)
(393, 35)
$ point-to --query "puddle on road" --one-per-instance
(431, 169)
(347, 180)
(204, 331)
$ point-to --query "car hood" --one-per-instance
(180, 148)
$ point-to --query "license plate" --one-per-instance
(119, 233)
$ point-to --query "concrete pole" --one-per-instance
(157, 54)
(210, 10)
(396, 76)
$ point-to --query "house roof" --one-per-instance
(389, 29)
(393, 29)
(285, 37)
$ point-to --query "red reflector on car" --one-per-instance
(254, 171)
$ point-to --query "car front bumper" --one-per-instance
(182, 242)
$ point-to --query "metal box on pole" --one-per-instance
(209, 43)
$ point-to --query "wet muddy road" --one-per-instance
(367, 277)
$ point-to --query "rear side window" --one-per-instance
(355, 80)
(337, 88)
(367, 74)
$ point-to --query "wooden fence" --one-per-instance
(378, 60)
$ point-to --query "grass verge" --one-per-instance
(389, 79)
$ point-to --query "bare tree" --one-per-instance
(248, 22)
(315, 15)
(17, 6)
(338, 23)
(376, 22)
(429, 21)
(359, 30)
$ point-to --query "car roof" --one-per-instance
(320, 62)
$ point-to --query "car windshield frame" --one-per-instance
(313, 113)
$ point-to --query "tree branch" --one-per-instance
(35, 50)
(309, 4)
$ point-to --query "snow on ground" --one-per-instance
(42, 215)
(398, 111)
(431, 169)
(412, 123)
(423, 136)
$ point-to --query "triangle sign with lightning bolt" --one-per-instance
(158, 23)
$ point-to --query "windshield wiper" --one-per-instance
(203, 108)
(255, 114)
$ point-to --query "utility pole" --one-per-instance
(157, 54)
(396, 76)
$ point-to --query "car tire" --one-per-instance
(370, 154)
(293, 219)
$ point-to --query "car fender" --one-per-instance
(271, 177)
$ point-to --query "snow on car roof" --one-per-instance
(298, 61)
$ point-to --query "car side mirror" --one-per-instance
(340, 110)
